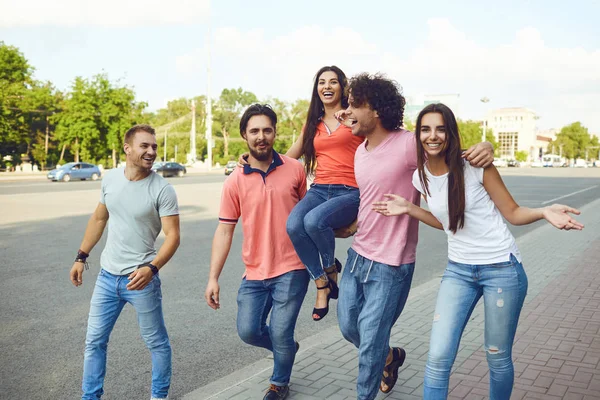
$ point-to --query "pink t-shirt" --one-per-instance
(388, 168)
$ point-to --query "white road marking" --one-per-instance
(570, 194)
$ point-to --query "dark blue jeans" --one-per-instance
(282, 296)
(313, 220)
(372, 296)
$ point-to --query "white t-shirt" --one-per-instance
(485, 238)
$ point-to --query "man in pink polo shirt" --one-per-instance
(263, 194)
(381, 261)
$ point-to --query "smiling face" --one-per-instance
(362, 120)
(329, 89)
(260, 136)
(433, 134)
(141, 152)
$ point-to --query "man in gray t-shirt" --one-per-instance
(139, 203)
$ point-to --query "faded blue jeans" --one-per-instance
(109, 298)
(311, 223)
(282, 296)
(372, 296)
(503, 287)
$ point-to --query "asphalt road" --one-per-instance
(43, 317)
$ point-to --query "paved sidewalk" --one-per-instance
(556, 352)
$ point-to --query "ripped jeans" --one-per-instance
(503, 287)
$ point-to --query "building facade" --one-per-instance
(515, 130)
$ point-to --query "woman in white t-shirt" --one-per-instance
(483, 259)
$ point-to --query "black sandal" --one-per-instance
(334, 269)
(398, 357)
(320, 313)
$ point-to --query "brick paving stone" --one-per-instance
(556, 350)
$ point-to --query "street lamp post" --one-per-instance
(208, 133)
(484, 100)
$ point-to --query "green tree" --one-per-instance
(175, 122)
(408, 125)
(521, 156)
(471, 133)
(573, 139)
(226, 114)
(95, 114)
(15, 80)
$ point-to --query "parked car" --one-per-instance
(500, 162)
(169, 169)
(75, 170)
(230, 167)
(513, 163)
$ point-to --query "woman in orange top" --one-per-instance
(332, 202)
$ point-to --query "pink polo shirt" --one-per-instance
(264, 202)
(388, 168)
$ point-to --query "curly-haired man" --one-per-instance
(381, 260)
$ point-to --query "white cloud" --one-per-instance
(522, 71)
(14, 13)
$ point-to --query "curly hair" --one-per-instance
(382, 95)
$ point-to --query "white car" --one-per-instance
(500, 163)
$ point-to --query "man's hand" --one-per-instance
(243, 160)
(346, 231)
(211, 295)
(558, 216)
(480, 155)
(76, 274)
(140, 278)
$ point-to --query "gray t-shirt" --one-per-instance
(135, 209)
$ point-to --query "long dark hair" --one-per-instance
(315, 113)
(454, 161)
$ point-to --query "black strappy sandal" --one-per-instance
(398, 357)
(334, 291)
(334, 269)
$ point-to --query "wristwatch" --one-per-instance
(151, 266)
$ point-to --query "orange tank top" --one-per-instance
(335, 155)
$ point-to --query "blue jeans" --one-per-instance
(109, 298)
(283, 297)
(503, 287)
(372, 296)
(311, 223)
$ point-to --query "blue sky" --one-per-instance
(544, 55)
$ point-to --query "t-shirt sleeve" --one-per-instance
(416, 181)
(167, 202)
(230, 209)
(411, 151)
(103, 190)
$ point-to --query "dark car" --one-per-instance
(513, 163)
(169, 169)
(75, 170)
(230, 167)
